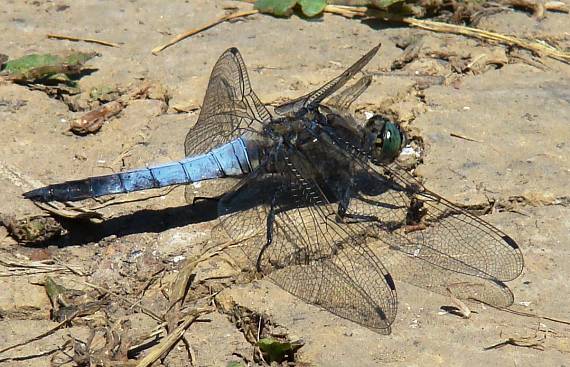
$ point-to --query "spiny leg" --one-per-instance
(269, 235)
(342, 211)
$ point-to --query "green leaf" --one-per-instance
(29, 62)
(42, 67)
(34, 61)
(234, 364)
(275, 351)
(312, 7)
(383, 4)
(53, 290)
(79, 58)
(279, 8)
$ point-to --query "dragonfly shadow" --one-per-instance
(150, 221)
(380, 24)
(154, 221)
(160, 220)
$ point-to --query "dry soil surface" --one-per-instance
(494, 137)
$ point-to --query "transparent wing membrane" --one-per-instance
(313, 99)
(306, 251)
(344, 99)
(230, 107)
(432, 237)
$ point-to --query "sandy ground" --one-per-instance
(495, 139)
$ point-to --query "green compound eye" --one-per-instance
(384, 138)
(393, 140)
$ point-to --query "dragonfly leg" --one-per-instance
(205, 198)
(342, 215)
(269, 236)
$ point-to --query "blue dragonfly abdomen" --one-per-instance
(231, 159)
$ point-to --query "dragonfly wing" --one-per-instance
(434, 278)
(423, 224)
(375, 206)
(344, 99)
(314, 98)
(445, 231)
(304, 250)
(230, 107)
(426, 227)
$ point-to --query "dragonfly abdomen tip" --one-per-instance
(36, 194)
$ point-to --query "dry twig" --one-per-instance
(77, 39)
(454, 135)
(529, 314)
(73, 212)
(525, 342)
(25, 267)
(166, 345)
(30, 356)
(192, 32)
(534, 46)
(163, 192)
(42, 335)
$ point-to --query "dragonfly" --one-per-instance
(326, 210)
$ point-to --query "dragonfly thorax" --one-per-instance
(383, 139)
(294, 131)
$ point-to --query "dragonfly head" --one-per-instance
(384, 139)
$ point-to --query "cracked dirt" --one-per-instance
(490, 125)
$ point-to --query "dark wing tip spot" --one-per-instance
(498, 283)
(380, 313)
(390, 281)
(510, 242)
(233, 50)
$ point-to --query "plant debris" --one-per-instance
(66, 302)
(47, 68)
(30, 230)
(23, 267)
(469, 11)
(269, 338)
(277, 351)
(107, 345)
(407, 12)
(284, 8)
(93, 120)
(78, 39)
(525, 342)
